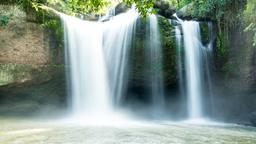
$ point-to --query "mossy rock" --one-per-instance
(187, 12)
(32, 98)
(140, 69)
(121, 8)
(20, 73)
(164, 8)
(169, 51)
(205, 34)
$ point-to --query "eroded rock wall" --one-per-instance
(31, 78)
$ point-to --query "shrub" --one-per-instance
(4, 20)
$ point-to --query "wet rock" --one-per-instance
(185, 12)
(164, 8)
(140, 69)
(31, 98)
(121, 8)
(32, 73)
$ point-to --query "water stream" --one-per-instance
(197, 78)
(88, 71)
(97, 58)
(117, 42)
(193, 59)
(156, 68)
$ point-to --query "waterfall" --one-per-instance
(197, 78)
(118, 34)
(156, 68)
(193, 57)
(88, 71)
(96, 54)
(179, 53)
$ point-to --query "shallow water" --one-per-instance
(36, 132)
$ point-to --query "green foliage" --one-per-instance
(82, 6)
(74, 7)
(182, 3)
(4, 20)
(250, 18)
(169, 50)
(222, 54)
(204, 32)
(222, 50)
(225, 11)
(143, 6)
(67, 6)
(55, 26)
(30, 5)
(48, 20)
(174, 2)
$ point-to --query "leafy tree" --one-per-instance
(182, 3)
(143, 6)
(86, 6)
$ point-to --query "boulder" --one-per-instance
(164, 8)
(121, 8)
(186, 11)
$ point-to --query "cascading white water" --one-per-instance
(197, 67)
(193, 54)
(110, 14)
(97, 57)
(88, 71)
(118, 34)
(178, 36)
(156, 75)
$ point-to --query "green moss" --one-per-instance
(32, 97)
(169, 51)
(54, 24)
(250, 19)
(19, 73)
(204, 32)
(222, 50)
(139, 59)
(12, 72)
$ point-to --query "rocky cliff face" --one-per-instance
(235, 78)
(27, 68)
(24, 47)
